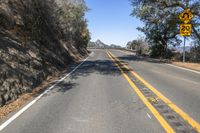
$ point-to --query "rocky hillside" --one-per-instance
(100, 44)
(38, 38)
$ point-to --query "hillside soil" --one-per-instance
(25, 98)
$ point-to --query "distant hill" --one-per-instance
(100, 44)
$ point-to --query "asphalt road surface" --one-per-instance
(97, 98)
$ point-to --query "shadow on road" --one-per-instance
(99, 67)
(102, 67)
(62, 88)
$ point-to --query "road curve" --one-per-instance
(94, 99)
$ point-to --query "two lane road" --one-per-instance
(180, 86)
(96, 98)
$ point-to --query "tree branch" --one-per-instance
(195, 32)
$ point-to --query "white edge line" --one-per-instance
(6, 123)
(184, 68)
(187, 69)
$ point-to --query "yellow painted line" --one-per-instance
(157, 115)
(184, 115)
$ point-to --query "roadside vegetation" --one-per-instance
(161, 27)
(140, 45)
(38, 39)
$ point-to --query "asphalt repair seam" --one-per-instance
(177, 119)
(157, 115)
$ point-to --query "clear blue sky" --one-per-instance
(110, 21)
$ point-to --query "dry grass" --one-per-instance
(193, 66)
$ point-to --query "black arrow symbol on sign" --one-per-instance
(185, 15)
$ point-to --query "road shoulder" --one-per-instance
(193, 67)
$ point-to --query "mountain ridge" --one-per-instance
(100, 44)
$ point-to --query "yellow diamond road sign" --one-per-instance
(186, 16)
(185, 29)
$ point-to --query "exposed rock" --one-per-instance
(29, 53)
(100, 44)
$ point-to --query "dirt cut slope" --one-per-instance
(38, 38)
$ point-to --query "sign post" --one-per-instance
(184, 50)
(185, 29)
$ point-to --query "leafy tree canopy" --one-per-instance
(161, 19)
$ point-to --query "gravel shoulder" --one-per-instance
(193, 66)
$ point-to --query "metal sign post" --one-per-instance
(185, 29)
(184, 50)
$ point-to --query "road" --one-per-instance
(99, 98)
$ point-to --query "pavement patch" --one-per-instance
(177, 119)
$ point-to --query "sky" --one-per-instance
(110, 21)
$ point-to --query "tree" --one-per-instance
(162, 23)
(195, 53)
(73, 24)
(140, 45)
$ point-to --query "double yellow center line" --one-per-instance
(157, 115)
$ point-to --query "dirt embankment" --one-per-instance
(33, 45)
